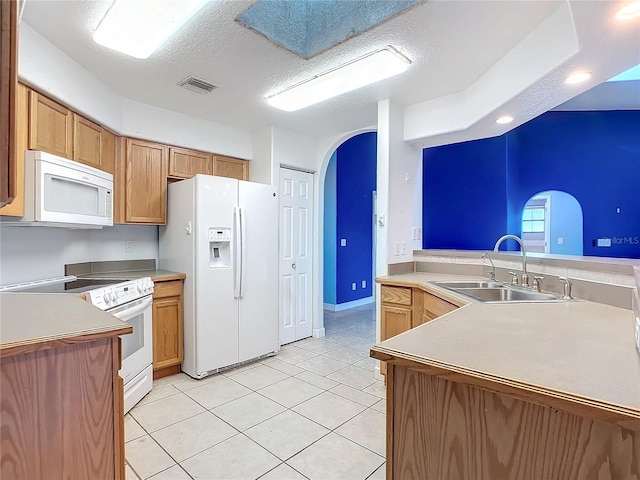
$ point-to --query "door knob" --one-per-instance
(293, 265)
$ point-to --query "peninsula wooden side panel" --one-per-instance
(442, 429)
(62, 412)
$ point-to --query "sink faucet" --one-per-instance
(525, 275)
(492, 277)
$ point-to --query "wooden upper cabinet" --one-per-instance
(50, 126)
(230, 167)
(185, 163)
(16, 207)
(146, 182)
(8, 106)
(108, 155)
(87, 142)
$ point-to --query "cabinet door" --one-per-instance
(16, 208)
(394, 320)
(146, 182)
(185, 163)
(167, 324)
(87, 142)
(50, 126)
(230, 167)
(108, 155)
(8, 90)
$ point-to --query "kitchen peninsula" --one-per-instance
(512, 390)
(61, 395)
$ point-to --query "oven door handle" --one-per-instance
(131, 312)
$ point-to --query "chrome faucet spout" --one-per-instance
(493, 267)
(525, 275)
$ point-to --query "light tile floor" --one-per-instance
(314, 411)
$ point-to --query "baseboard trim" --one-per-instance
(345, 306)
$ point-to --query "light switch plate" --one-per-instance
(343, 242)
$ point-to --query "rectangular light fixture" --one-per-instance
(363, 71)
(138, 27)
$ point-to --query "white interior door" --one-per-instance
(296, 218)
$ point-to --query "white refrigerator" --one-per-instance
(223, 233)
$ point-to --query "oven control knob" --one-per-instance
(106, 297)
(140, 288)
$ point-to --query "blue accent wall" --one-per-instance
(464, 194)
(355, 183)
(330, 210)
(594, 156)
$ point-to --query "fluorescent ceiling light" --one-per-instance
(577, 78)
(504, 119)
(138, 27)
(629, 12)
(366, 70)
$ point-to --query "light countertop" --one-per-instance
(43, 320)
(579, 350)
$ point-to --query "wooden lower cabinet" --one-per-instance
(404, 308)
(440, 427)
(167, 327)
(62, 411)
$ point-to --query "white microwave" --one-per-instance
(63, 193)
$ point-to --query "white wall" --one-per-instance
(262, 167)
(32, 253)
(46, 68)
(291, 149)
(399, 189)
(160, 125)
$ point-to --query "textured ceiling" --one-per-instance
(452, 44)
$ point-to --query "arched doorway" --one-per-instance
(552, 223)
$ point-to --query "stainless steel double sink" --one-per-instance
(494, 292)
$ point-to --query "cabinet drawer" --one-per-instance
(172, 288)
(397, 295)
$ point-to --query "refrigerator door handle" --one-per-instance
(237, 253)
(243, 248)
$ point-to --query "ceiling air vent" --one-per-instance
(197, 85)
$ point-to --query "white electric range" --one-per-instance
(127, 299)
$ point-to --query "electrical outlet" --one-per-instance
(128, 246)
(364, 284)
(397, 249)
(353, 286)
(560, 241)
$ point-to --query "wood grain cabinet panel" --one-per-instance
(16, 207)
(394, 320)
(8, 89)
(62, 412)
(230, 167)
(50, 126)
(108, 155)
(87, 142)
(167, 328)
(146, 182)
(434, 307)
(185, 163)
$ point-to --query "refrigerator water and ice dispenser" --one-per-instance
(220, 247)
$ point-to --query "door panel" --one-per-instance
(216, 313)
(296, 213)
(258, 307)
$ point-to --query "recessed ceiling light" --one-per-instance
(504, 119)
(629, 12)
(138, 27)
(577, 78)
(363, 71)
